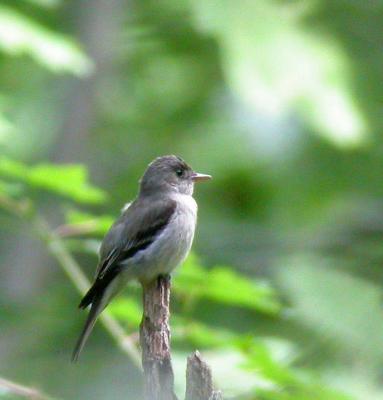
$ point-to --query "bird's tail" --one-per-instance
(98, 297)
(94, 312)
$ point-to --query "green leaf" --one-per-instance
(45, 3)
(99, 224)
(261, 359)
(229, 287)
(292, 383)
(3, 187)
(85, 246)
(310, 392)
(199, 334)
(6, 129)
(67, 180)
(288, 68)
(224, 285)
(126, 309)
(20, 34)
(11, 189)
(321, 302)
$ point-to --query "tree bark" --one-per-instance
(199, 381)
(156, 355)
(155, 341)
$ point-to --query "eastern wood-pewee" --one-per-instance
(151, 237)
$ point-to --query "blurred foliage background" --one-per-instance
(281, 101)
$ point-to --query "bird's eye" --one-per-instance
(179, 172)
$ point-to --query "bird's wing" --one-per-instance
(134, 231)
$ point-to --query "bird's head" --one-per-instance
(170, 174)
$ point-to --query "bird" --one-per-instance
(152, 236)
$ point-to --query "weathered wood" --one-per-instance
(155, 341)
(156, 355)
(199, 382)
(217, 395)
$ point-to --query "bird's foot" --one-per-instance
(163, 277)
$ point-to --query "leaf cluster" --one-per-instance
(196, 287)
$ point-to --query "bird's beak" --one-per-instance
(196, 177)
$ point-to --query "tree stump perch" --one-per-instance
(199, 381)
(156, 354)
(155, 341)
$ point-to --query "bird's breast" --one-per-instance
(172, 246)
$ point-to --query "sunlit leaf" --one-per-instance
(126, 309)
(11, 189)
(67, 180)
(3, 187)
(86, 246)
(303, 392)
(334, 303)
(45, 3)
(261, 359)
(277, 67)
(291, 383)
(224, 285)
(227, 286)
(20, 34)
(199, 334)
(6, 128)
(97, 224)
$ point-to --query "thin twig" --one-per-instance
(75, 274)
(56, 247)
(154, 332)
(8, 386)
(79, 229)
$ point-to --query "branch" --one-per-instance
(155, 341)
(199, 382)
(156, 355)
(75, 274)
(55, 245)
(7, 386)
(154, 329)
(79, 229)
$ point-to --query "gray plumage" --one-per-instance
(152, 236)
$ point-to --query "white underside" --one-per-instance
(169, 249)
